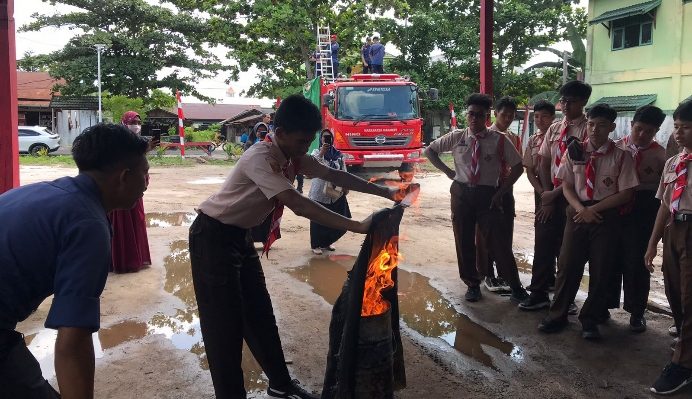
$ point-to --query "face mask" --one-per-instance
(135, 128)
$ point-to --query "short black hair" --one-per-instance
(602, 111)
(576, 88)
(482, 100)
(297, 114)
(104, 146)
(506, 102)
(650, 115)
(684, 111)
(544, 105)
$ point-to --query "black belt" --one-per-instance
(682, 217)
(589, 203)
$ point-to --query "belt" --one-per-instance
(682, 217)
(589, 203)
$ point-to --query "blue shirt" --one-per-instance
(365, 50)
(335, 53)
(377, 54)
(243, 138)
(55, 239)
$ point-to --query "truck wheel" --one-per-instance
(406, 172)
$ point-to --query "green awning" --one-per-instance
(626, 103)
(624, 12)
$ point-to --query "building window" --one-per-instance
(632, 32)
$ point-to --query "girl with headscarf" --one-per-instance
(258, 133)
(130, 245)
(327, 195)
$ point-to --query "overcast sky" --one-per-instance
(48, 40)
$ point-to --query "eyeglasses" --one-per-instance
(569, 100)
(479, 115)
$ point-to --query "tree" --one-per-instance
(114, 106)
(33, 63)
(147, 47)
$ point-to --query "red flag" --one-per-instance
(181, 127)
(453, 122)
(277, 103)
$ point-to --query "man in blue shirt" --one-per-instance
(335, 56)
(365, 54)
(376, 56)
(55, 239)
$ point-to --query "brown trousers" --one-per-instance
(485, 263)
(471, 206)
(581, 243)
(677, 274)
(546, 248)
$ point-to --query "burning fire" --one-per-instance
(379, 278)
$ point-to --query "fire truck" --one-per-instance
(375, 120)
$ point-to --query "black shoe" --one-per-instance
(535, 301)
(573, 309)
(637, 324)
(502, 284)
(492, 284)
(291, 391)
(549, 326)
(672, 379)
(519, 295)
(473, 294)
(591, 333)
(604, 318)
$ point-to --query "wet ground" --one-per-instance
(150, 345)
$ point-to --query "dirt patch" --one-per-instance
(150, 345)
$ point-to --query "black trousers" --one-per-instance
(233, 305)
(20, 373)
(471, 207)
(546, 248)
(377, 68)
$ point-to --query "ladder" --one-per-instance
(324, 55)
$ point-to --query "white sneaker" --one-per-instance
(317, 251)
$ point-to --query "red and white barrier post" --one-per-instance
(181, 127)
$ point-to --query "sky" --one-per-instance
(48, 40)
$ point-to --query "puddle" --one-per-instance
(525, 263)
(208, 180)
(421, 307)
(181, 328)
(161, 219)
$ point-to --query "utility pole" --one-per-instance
(9, 150)
(99, 48)
(487, 46)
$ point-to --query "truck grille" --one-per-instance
(397, 141)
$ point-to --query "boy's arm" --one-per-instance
(533, 179)
(307, 208)
(355, 183)
(434, 159)
(614, 200)
(514, 174)
(74, 363)
(656, 235)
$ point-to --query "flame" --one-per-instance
(379, 278)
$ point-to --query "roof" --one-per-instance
(214, 112)
(75, 102)
(243, 116)
(624, 12)
(35, 89)
(626, 103)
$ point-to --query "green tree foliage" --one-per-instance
(34, 63)
(148, 46)
(114, 106)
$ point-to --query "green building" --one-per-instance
(639, 52)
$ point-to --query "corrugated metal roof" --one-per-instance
(624, 12)
(35, 89)
(626, 103)
(75, 102)
(213, 112)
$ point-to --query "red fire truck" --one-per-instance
(375, 120)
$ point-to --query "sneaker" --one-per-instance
(673, 331)
(519, 295)
(492, 284)
(473, 294)
(550, 326)
(591, 333)
(672, 379)
(637, 324)
(502, 284)
(573, 309)
(317, 251)
(535, 301)
(291, 391)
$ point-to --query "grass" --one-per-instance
(445, 157)
(154, 161)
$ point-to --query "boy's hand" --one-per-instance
(398, 194)
(587, 215)
(651, 252)
(496, 202)
(451, 174)
(548, 196)
(364, 225)
(545, 212)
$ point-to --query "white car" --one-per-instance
(33, 139)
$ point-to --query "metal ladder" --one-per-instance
(324, 55)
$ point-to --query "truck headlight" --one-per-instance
(414, 155)
(348, 156)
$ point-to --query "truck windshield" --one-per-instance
(377, 103)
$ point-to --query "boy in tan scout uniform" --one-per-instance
(545, 248)
(675, 218)
(234, 304)
(597, 178)
(639, 216)
(481, 156)
(551, 218)
(505, 112)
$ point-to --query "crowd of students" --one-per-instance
(597, 200)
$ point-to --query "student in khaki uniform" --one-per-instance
(505, 113)
(638, 217)
(480, 159)
(543, 268)
(233, 301)
(675, 219)
(551, 222)
(597, 178)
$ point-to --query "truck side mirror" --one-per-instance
(433, 94)
(327, 100)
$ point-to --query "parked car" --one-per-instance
(33, 139)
